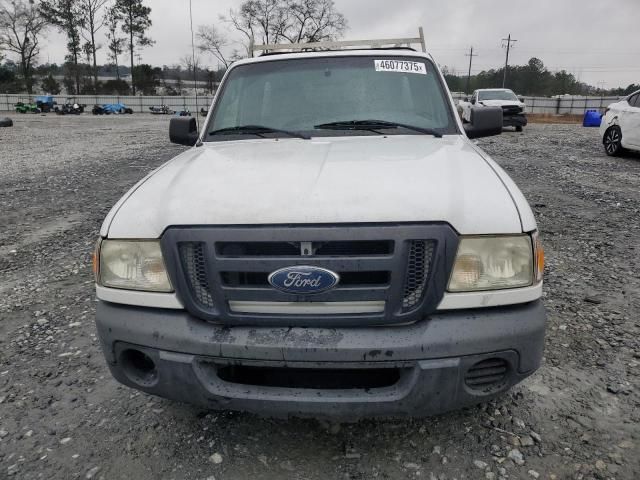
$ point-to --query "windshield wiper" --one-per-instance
(374, 125)
(256, 130)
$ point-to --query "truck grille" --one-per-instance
(294, 249)
(511, 110)
(195, 269)
(402, 268)
(418, 267)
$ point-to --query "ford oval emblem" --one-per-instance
(303, 280)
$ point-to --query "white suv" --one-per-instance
(620, 127)
(333, 244)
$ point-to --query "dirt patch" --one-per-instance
(557, 119)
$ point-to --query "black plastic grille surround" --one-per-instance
(403, 266)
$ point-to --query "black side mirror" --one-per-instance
(183, 131)
(485, 122)
(473, 101)
(521, 100)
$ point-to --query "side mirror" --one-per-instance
(183, 131)
(473, 101)
(485, 122)
(521, 100)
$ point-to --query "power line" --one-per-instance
(470, 55)
(506, 64)
(195, 66)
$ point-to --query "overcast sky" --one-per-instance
(597, 40)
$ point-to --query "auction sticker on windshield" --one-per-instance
(400, 66)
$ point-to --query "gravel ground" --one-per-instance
(63, 417)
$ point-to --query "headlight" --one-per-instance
(133, 265)
(492, 263)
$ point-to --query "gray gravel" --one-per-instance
(63, 417)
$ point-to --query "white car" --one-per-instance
(332, 244)
(620, 127)
(513, 108)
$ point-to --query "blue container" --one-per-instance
(592, 118)
(48, 99)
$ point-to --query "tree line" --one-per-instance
(120, 27)
(532, 79)
(124, 25)
(23, 24)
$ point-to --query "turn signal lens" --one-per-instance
(467, 271)
(493, 263)
(95, 260)
(539, 252)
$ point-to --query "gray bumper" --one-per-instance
(432, 358)
(517, 120)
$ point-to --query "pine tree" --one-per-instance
(134, 16)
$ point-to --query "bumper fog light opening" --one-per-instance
(139, 368)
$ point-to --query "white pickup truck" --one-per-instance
(513, 107)
(332, 244)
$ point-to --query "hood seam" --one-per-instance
(484, 156)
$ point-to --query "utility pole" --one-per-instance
(506, 45)
(470, 55)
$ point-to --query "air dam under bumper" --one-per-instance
(447, 361)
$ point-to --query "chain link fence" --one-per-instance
(138, 104)
(567, 105)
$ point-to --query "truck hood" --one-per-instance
(367, 179)
(502, 103)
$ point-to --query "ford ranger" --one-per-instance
(333, 244)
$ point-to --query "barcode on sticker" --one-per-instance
(400, 66)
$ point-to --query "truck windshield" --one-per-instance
(497, 95)
(363, 94)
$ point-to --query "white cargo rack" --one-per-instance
(343, 45)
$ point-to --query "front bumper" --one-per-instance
(515, 120)
(432, 357)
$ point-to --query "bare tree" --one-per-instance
(92, 22)
(187, 61)
(211, 41)
(293, 21)
(21, 27)
(312, 21)
(259, 20)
